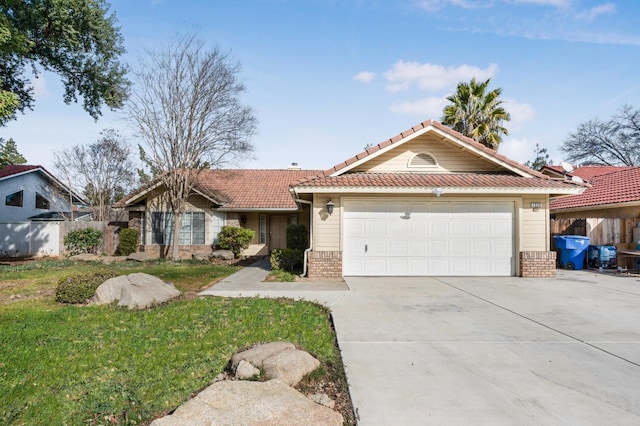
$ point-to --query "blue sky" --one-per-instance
(327, 77)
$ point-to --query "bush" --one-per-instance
(297, 237)
(86, 240)
(127, 241)
(79, 288)
(235, 239)
(286, 259)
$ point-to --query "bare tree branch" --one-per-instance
(186, 109)
(612, 142)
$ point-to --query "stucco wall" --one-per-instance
(30, 183)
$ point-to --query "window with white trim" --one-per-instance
(192, 228)
(219, 219)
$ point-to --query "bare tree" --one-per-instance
(612, 142)
(186, 108)
(103, 170)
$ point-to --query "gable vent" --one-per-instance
(422, 160)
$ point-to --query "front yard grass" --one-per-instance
(109, 365)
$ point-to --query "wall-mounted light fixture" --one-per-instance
(330, 207)
(438, 192)
(535, 206)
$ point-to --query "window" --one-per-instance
(218, 222)
(423, 159)
(263, 229)
(41, 202)
(293, 219)
(191, 228)
(14, 199)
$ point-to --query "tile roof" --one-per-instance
(622, 186)
(588, 172)
(15, 169)
(430, 180)
(443, 128)
(243, 189)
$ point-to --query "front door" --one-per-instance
(278, 232)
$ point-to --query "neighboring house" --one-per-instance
(32, 193)
(255, 199)
(608, 212)
(429, 201)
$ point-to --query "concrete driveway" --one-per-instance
(498, 351)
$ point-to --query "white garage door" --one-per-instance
(407, 238)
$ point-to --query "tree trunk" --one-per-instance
(175, 245)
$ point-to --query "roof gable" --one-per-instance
(435, 131)
(239, 189)
(16, 170)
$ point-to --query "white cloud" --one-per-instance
(520, 150)
(595, 11)
(432, 77)
(425, 108)
(365, 77)
(520, 113)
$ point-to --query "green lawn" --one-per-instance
(108, 365)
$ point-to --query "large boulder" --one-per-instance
(277, 360)
(257, 354)
(251, 403)
(223, 254)
(134, 291)
(139, 256)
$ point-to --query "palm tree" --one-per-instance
(476, 113)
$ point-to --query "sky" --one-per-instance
(326, 78)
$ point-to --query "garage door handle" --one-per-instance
(366, 247)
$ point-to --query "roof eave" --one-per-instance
(430, 189)
(596, 207)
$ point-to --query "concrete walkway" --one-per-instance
(483, 351)
(249, 282)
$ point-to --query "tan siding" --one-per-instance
(449, 158)
(326, 229)
(534, 225)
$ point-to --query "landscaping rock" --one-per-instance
(322, 399)
(251, 403)
(259, 353)
(223, 254)
(139, 256)
(108, 260)
(85, 257)
(289, 366)
(245, 371)
(134, 291)
(197, 256)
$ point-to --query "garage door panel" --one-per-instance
(428, 238)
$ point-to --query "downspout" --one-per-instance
(306, 252)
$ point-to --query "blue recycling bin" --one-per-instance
(573, 249)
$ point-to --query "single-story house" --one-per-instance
(614, 192)
(255, 199)
(608, 212)
(30, 192)
(428, 201)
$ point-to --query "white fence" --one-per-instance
(19, 239)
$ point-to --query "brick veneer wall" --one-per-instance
(325, 264)
(538, 264)
(156, 251)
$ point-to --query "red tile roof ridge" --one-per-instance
(441, 127)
